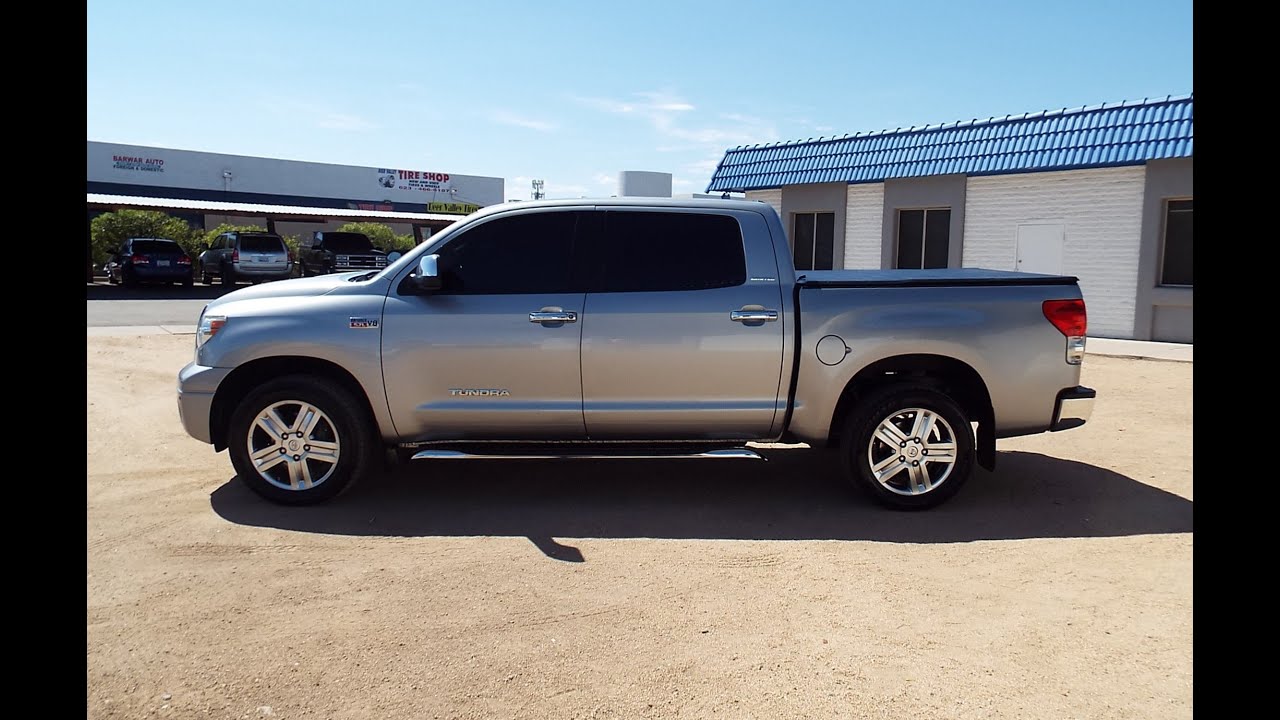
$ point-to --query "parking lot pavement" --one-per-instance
(148, 305)
(1057, 586)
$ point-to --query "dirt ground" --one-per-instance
(1058, 586)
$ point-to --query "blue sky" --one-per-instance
(574, 92)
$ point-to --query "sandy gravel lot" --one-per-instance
(1057, 587)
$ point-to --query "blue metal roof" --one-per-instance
(1127, 133)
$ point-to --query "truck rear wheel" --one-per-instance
(298, 441)
(909, 446)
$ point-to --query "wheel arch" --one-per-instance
(241, 381)
(955, 378)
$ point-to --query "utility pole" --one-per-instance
(537, 190)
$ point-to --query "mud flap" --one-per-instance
(987, 442)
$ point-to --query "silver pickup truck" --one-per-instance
(632, 328)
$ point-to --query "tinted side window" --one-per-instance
(657, 251)
(529, 253)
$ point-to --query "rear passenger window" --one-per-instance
(664, 251)
(519, 254)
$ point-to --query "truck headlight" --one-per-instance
(208, 326)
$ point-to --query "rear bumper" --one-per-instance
(1073, 408)
(249, 271)
(176, 272)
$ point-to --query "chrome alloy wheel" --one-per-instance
(293, 445)
(912, 451)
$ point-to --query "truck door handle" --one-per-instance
(753, 315)
(543, 316)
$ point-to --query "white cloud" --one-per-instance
(605, 180)
(343, 121)
(667, 113)
(506, 117)
(565, 190)
(704, 167)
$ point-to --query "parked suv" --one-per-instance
(252, 256)
(329, 252)
(142, 260)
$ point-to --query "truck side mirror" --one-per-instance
(426, 279)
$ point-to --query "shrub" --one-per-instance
(109, 230)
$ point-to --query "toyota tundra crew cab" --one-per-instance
(633, 328)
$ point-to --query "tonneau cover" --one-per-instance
(925, 278)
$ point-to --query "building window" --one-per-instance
(1175, 268)
(924, 238)
(813, 241)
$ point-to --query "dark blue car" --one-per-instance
(150, 260)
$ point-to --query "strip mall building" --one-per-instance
(286, 196)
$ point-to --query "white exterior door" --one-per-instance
(1040, 248)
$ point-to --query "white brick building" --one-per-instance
(1102, 193)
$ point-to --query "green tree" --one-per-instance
(382, 236)
(108, 230)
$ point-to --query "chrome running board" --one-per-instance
(734, 454)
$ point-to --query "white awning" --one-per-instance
(272, 211)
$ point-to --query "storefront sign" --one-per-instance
(414, 180)
(145, 164)
(452, 208)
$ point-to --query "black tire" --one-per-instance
(894, 404)
(227, 276)
(188, 282)
(128, 279)
(204, 275)
(346, 421)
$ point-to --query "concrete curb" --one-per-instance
(1140, 349)
(136, 330)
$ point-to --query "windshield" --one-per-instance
(157, 246)
(347, 243)
(261, 243)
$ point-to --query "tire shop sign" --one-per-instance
(414, 180)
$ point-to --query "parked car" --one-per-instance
(330, 252)
(633, 328)
(149, 260)
(251, 256)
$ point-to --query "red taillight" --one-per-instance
(1067, 315)
(140, 260)
(290, 256)
(235, 255)
(184, 260)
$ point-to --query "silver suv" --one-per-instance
(252, 256)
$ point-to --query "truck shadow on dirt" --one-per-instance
(795, 496)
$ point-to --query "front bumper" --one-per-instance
(197, 385)
(1073, 408)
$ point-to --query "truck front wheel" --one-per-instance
(909, 446)
(298, 441)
